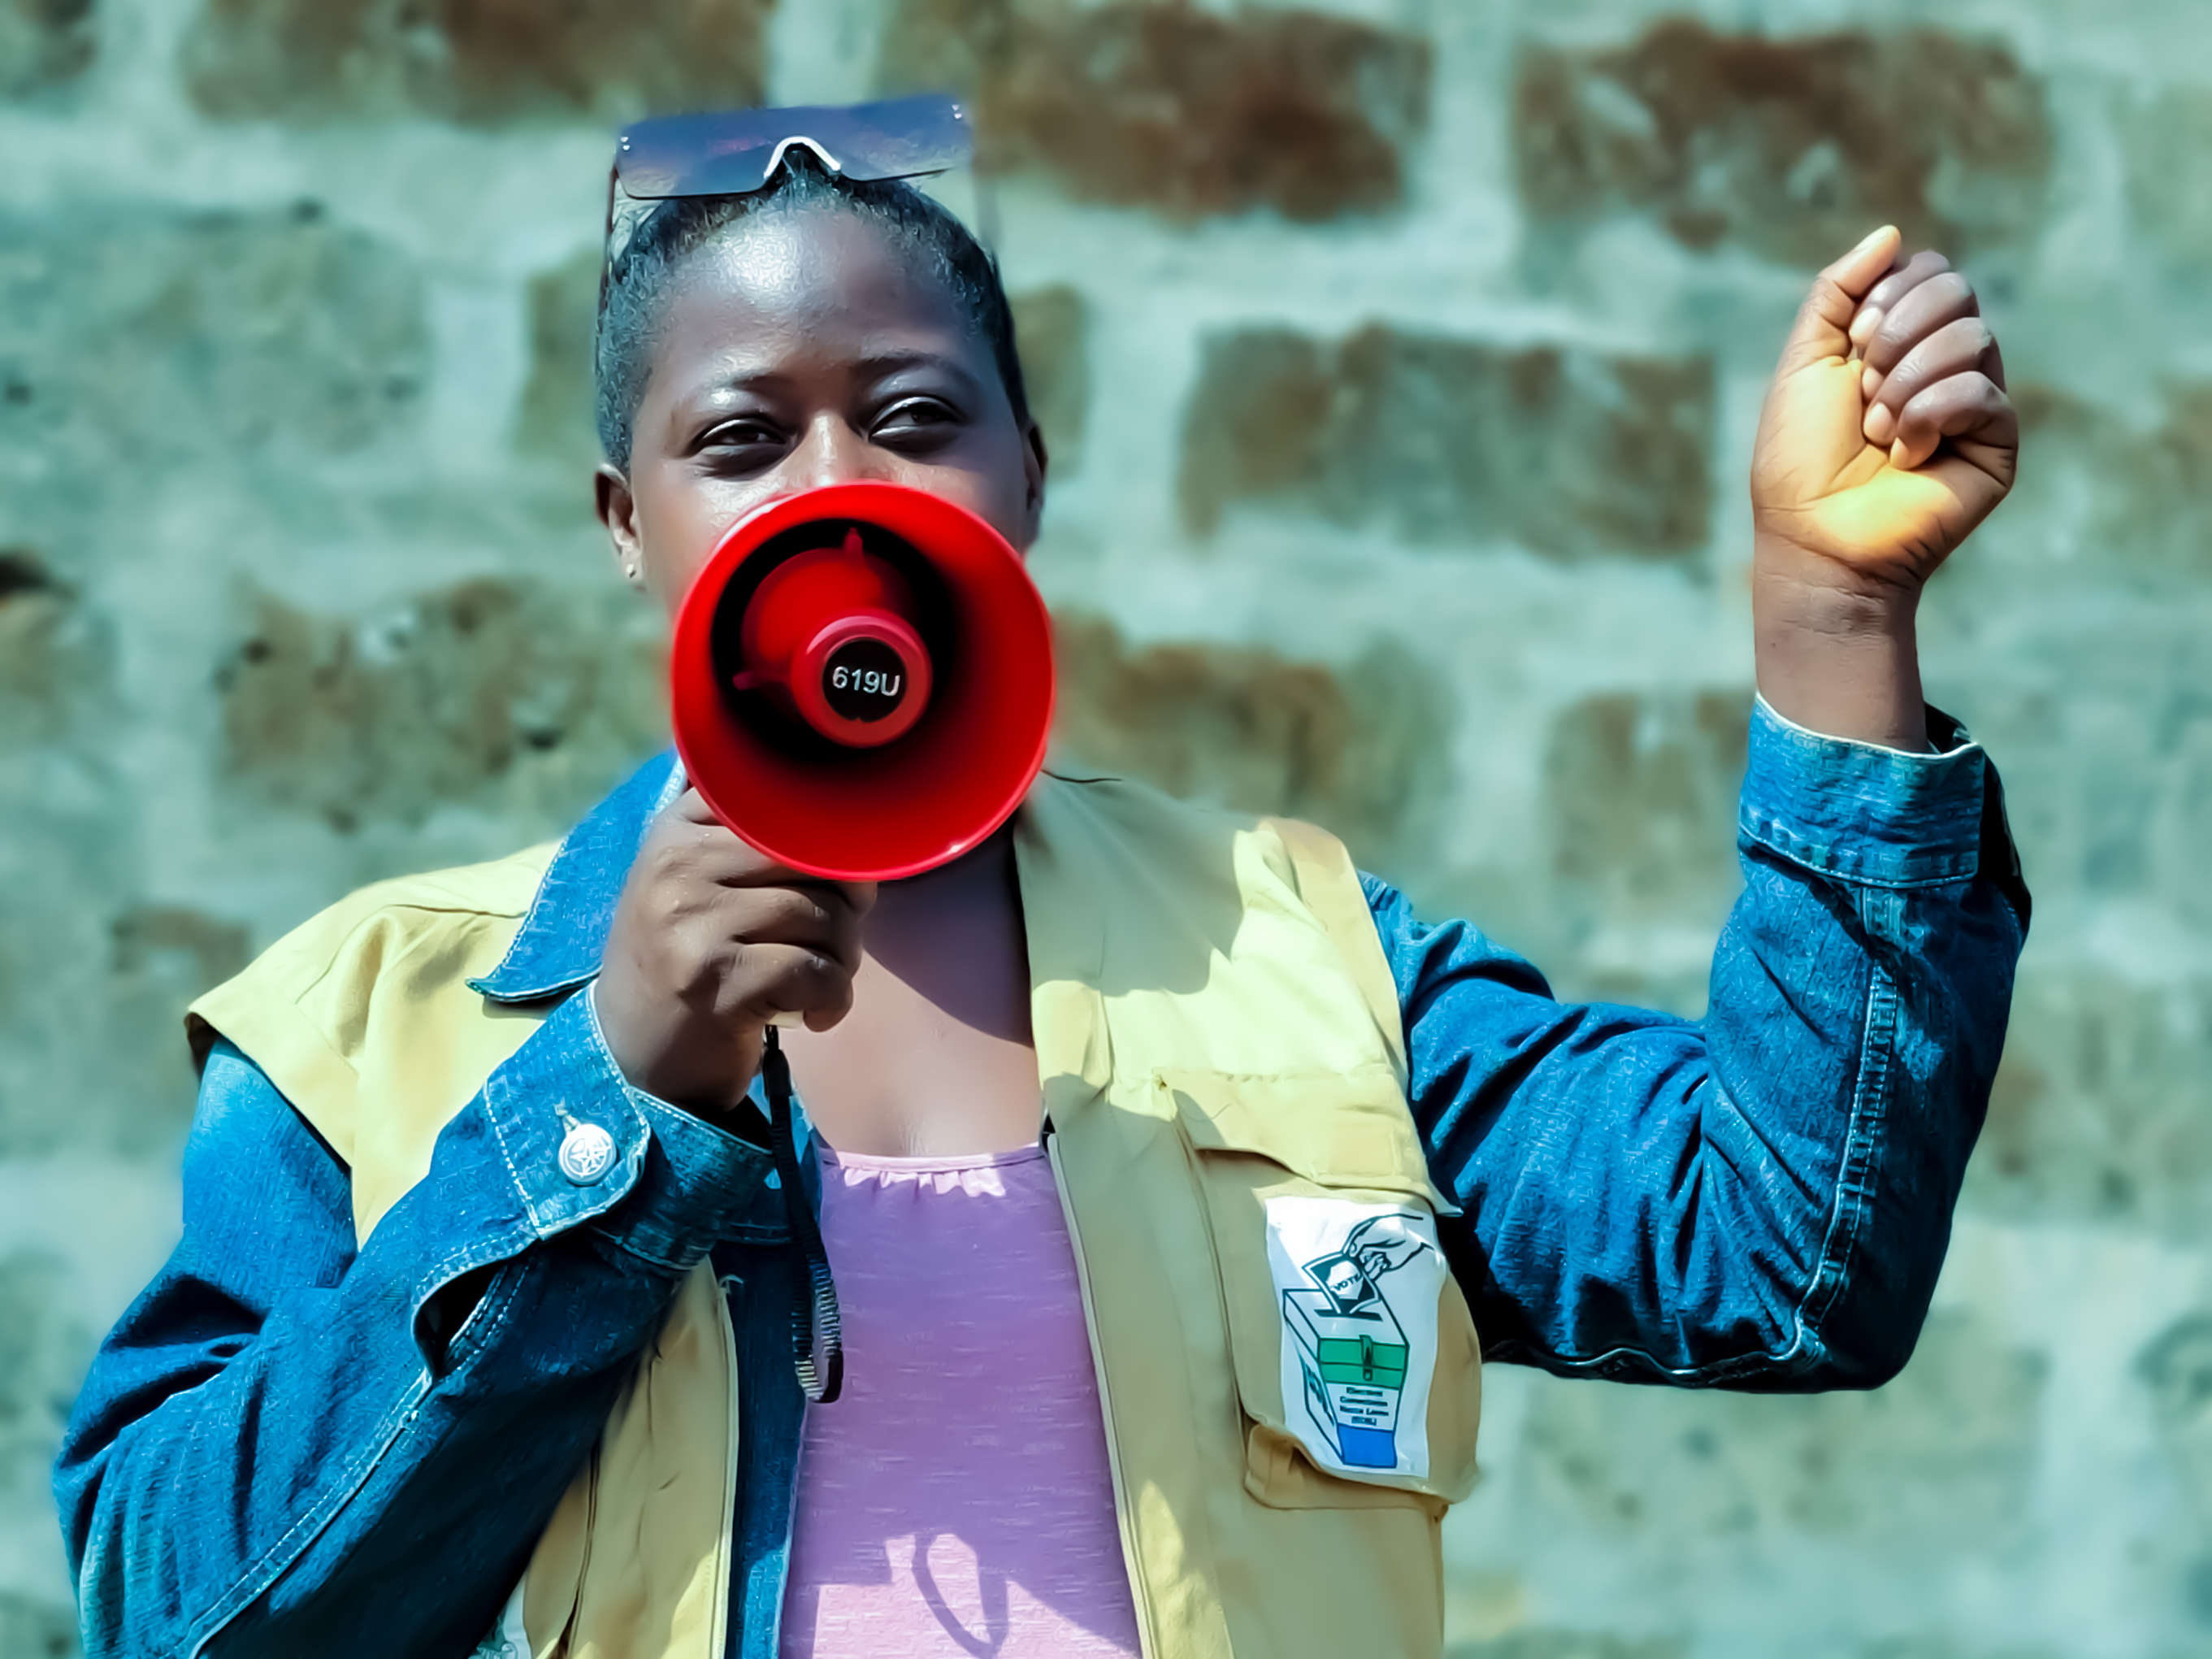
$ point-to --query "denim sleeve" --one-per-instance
(1762, 1199)
(287, 1447)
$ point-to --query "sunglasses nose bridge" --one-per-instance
(784, 147)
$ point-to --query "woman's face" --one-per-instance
(801, 349)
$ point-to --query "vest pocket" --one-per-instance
(1357, 1369)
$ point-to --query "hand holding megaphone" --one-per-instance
(711, 943)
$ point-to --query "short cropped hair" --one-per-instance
(643, 276)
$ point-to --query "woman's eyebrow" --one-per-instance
(765, 381)
(879, 364)
(876, 366)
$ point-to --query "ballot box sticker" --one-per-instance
(1358, 1286)
(507, 1639)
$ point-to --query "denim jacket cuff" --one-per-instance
(1860, 813)
(583, 1146)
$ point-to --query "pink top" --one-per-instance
(956, 1500)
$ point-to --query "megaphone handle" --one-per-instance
(814, 1322)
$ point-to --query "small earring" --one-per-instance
(629, 571)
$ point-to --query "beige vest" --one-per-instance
(1219, 1046)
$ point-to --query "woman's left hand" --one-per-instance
(1887, 435)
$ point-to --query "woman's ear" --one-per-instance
(1034, 464)
(617, 510)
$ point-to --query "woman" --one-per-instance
(483, 1315)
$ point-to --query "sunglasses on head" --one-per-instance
(737, 152)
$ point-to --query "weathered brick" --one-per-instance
(500, 694)
(162, 334)
(176, 943)
(1160, 104)
(554, 417)
(2176, 1368)
(44, 1350)
(94, 981)
(2167, 143)
(1640, 800)
(45, 44)
(1794, 147)
(34, 606)
(2105, 736)
(34, 1629)
(1051, 327)
(1568, 451)
(159, 957)
(1354, 752)
(55, 657)
(2097, 1114)
(1552, 1643)
(2139, 495)
(473, 60)
(1947, 1449)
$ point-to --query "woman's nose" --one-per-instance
(831, 452)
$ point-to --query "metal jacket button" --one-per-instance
(587, 1151)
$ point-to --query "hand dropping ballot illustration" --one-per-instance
(1358, 1285)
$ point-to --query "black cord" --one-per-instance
(814, 1325)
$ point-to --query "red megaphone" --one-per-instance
(862, 681)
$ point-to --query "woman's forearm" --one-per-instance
(1840, 662)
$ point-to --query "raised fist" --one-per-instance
(1887, 435)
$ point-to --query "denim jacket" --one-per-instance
(290, 1444)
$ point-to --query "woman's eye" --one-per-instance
(742, 435)
(916, 417)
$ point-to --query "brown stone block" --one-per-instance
(44, 1348)
(1569, 451)
(2097, 1114)
(1947, 1451)
(2167, 141)
(2176, 1368)
(1794, 147)
(1159, 104)
(36, 1629)
(1363, 752)
(151, 334)
(174, 943)
(32, 608)
(556, 416)
(473, 60)
(2151, 488)
(1051, 327)
(159, 957)
(53, 656)
(1640, 812)
(45, 44)
(1640, 795)
(498, 694)
(1543, 1643)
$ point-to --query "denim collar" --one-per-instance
(563, 938)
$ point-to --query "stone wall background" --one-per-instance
(1400, 359)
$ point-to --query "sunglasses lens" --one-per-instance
(732, 152)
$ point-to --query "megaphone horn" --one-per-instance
(862, 681)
